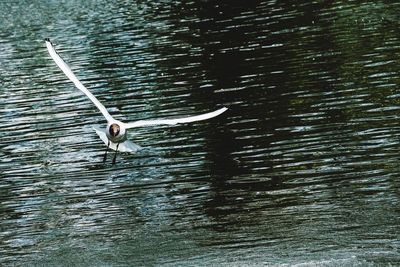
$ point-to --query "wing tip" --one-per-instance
(221, 110)
(49, 44)
(47, 40)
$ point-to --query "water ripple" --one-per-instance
(297, 172)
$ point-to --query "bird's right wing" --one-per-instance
(201, 117)
(67, 71)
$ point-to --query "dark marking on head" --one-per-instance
(114, 129)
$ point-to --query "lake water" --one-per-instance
(302, 170)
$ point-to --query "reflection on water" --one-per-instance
(302, 169)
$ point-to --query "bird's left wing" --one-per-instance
(201, 117)
(67, 71)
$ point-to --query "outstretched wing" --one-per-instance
(201, 117)
(67, 71)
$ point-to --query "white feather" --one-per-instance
(201, 117)
(67, 71)
(126, 146)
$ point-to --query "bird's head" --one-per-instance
(114, 129)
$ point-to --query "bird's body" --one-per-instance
(115, 134)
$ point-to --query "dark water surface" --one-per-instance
(302, 170)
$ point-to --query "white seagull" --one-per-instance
(114, 135)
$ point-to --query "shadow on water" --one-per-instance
(302, 169)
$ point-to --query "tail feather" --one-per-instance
(126, 146)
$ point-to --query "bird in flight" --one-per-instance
(115, 134)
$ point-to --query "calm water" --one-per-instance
(303, 170)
